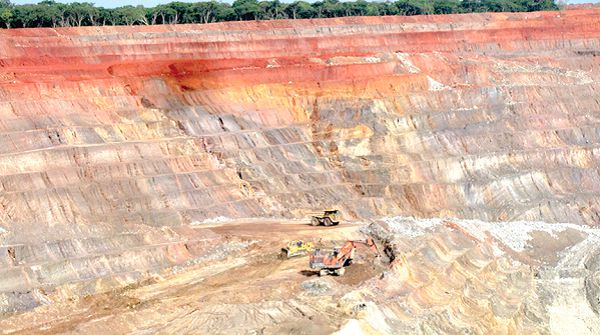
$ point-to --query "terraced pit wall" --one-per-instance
(115, 139)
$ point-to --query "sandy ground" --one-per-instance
(518, 277)
(253, 291)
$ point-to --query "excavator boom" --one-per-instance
(335, 261)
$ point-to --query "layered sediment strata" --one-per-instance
(469, 276)
(447, 276)
(115, 139)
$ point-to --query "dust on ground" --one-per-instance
(257, 288)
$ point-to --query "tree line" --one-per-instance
(52, 14)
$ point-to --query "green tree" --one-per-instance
(49, 13)
(414, 7)
(247, 9)
(163, 14)
(446, 6)
(202, 12)
(380, 9)
(329, 8)
(537, 5)
(44, 14)
(6, 13)
(471, 6)
(273, 10)
(130, 15)
(225, 12)
(180, 9)
(80, 12)
(355, 8)
(300, 10)
(106, 16)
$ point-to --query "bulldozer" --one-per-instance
(329, 218)
(296, 248)
(334, 262)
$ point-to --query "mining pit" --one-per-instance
(150, 175)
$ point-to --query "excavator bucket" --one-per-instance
(335, 261)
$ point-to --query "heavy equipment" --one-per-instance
(296, 248)
(329, 218)
(336, 260)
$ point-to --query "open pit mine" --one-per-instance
(150, 175)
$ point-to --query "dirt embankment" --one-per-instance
(253, 282)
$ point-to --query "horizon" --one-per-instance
(152, 3)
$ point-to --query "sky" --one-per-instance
(150, 3)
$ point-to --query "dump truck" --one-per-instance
(335, 261)
(329, 218)
(296, 248)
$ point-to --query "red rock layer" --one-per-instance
(110, 131)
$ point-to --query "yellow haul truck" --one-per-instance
(329, 218)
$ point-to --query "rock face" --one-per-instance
(474, 277)
(116, 139)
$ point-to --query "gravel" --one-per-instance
(514, 234)
(316, 287)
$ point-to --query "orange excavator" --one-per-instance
(335, 261)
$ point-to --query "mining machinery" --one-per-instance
(335, 261)
(329, 218)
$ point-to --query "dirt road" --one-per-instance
(250, 289)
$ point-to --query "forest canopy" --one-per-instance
(52, 14)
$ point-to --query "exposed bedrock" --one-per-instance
(475, 277)
(113, 140)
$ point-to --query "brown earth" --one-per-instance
(119, 144)
(253, 276)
